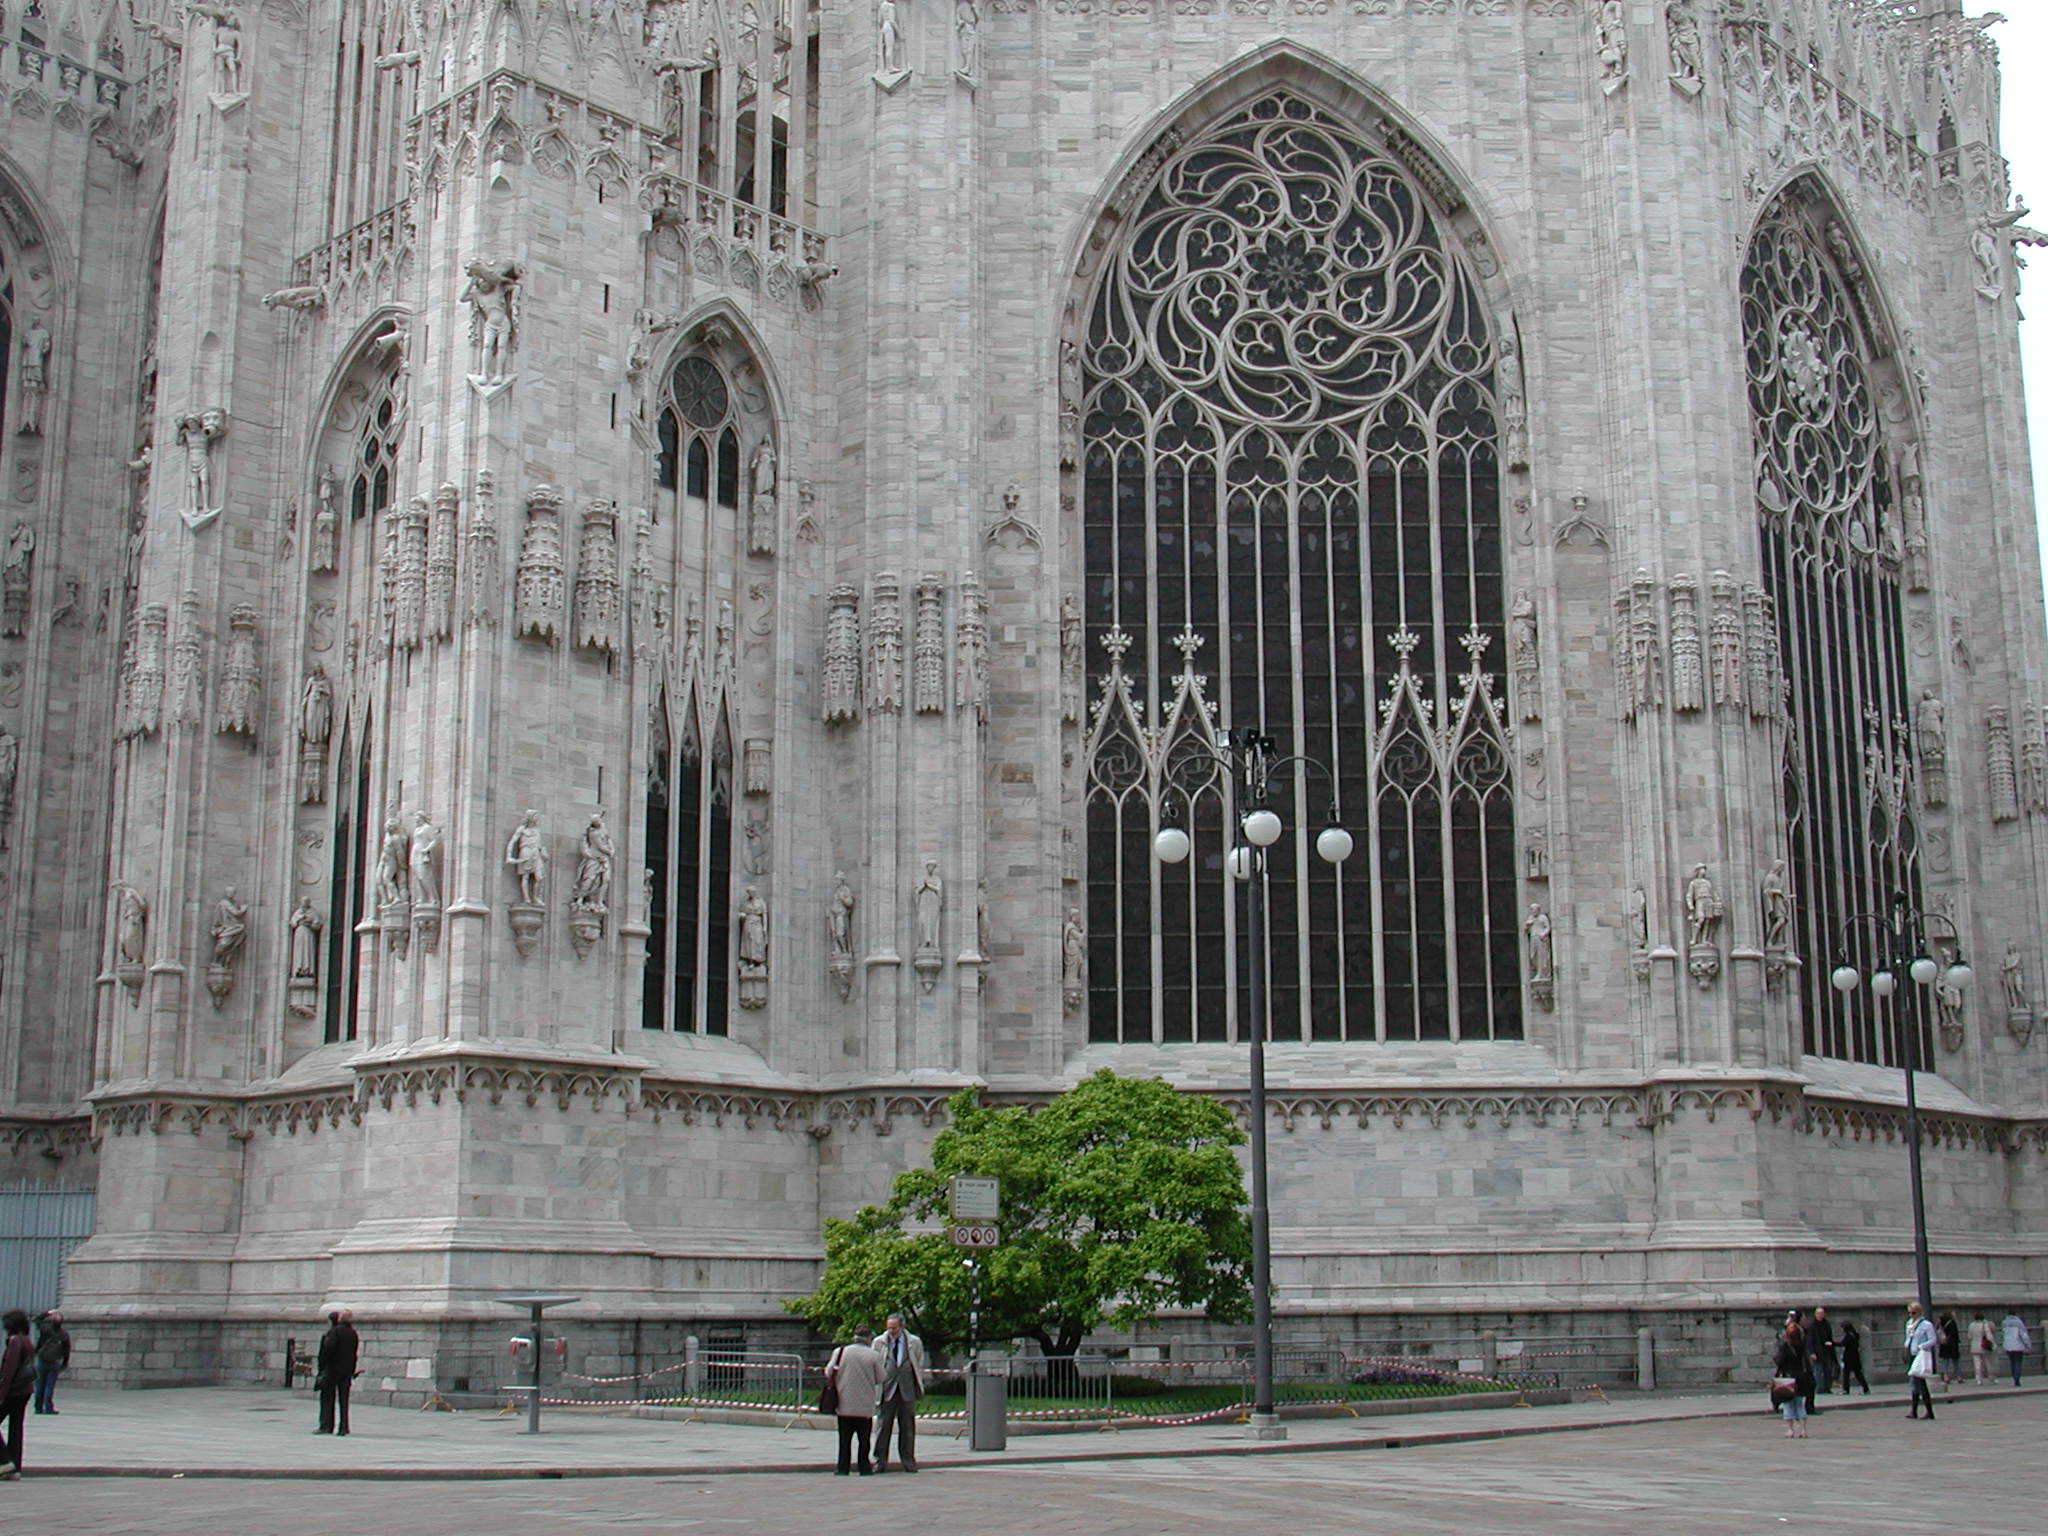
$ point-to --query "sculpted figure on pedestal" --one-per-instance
(1702, 908)
(426, 861)
(1777, 905)
(230, 927)
(594, 867)
(35, 377)
(930, 902)
(392, 859)
(15, 575)
(492, 295)
(888, 38)
(839, 919)
(527, 854)
(306, 923)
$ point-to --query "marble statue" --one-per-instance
(527, 854)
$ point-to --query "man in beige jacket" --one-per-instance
(902, 1356)
(856, 1370)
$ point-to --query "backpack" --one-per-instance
(51, 1349)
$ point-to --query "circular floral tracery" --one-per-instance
(1286, 273)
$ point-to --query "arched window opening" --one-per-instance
(1829, 520)
(714, 439)
(348, 876)
(1291, 515)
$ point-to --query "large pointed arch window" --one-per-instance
(1837, 530)
(1290, 520)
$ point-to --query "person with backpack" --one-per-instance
(53, 1353)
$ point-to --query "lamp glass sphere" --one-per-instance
(1333, 844)
(1171, 845)
(1262, 828)
(1883, 983)
(1845, 978)
(1960, 975)
(1240, 862)
(1923, 970)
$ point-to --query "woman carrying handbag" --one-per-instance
(1792, 1379)
(1920, 1340)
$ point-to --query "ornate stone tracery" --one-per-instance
(1281, 233)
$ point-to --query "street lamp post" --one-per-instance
(1248, 757)
(1901, 945)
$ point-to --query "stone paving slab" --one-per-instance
(210, 1432)
(1976, 1471)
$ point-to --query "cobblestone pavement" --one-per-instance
(1976, 1469)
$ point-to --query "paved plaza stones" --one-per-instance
(599, 605)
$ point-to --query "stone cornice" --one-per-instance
(52, 1135)
(463, 1077)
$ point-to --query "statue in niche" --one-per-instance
(1542, 957)
(1522, 653)
(10, 772)
(1703, 909)
(981, 941)
(1612, 45)
(1930, 734)
(227, 47)
(1948, 1009)
(594, 867)
(131, 925)
(888, 38)
(492, 295)
(230, 928)
(1686, 72)
(316, 728)
(754, 930)
(393, 857)
(1073, 960)
(967, 33)
(1777, 905)
(15, 577)
(35, 377)
(197, 435)
(426, 861)
(527, 856)
(930, 903)
(763, 510)
(1639, 918)
(306, 925)
(2012, 973)
(327, 521)
(839, 919)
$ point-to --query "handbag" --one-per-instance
(1923, 1363)
(1783, 1390)
(828, 1395)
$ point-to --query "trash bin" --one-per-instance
(988, 1409)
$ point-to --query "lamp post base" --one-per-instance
(1265, 1426)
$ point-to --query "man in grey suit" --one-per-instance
(902, 1355)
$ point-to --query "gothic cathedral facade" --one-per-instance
(604, 601)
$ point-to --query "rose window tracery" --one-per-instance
(1290, 519)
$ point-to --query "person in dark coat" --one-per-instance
(1820, 1342)
(336, 1371)
(1852, 1359)
(53, 1353)
(17, 1388)
(1793, 1362)
(1950, 1350)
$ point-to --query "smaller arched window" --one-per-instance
(714, 468)
(375, 463)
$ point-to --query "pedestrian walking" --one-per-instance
(17, 1387)
(855, 1371)
(1983, 1343)
(1852, 1357)
(1820, 1343)
(335, 1371)
(1793, 1362)
(53, 1353)
(1950, 1350)
(1920, 1342)
(2017, 1342)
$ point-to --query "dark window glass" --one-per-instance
(1296, 520)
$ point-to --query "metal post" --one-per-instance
(533, 1403)
(1909, 1031)
(1265, 1420)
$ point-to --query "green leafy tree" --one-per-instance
(1119, 1198)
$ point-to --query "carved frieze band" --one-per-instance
(531, 1084)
